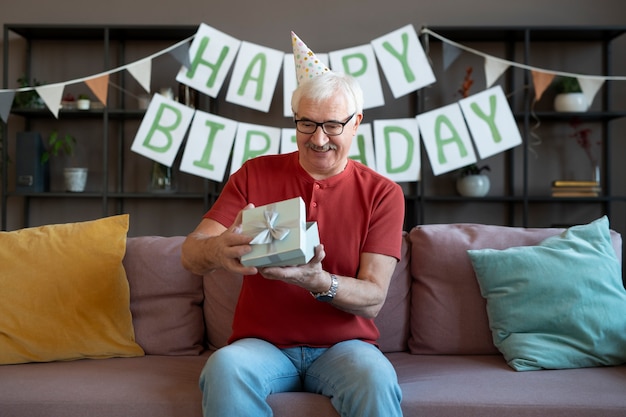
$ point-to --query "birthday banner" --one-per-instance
(392, 147)
(452, 136)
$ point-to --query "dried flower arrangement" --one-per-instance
(583, 138)
(467, 83)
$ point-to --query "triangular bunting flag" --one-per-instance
(51, 95)
(100, 87)
(142, 72)
(6, 100)
(590, 87)
(494, 68)
(541, 80)
(181, 54)
(450, 54)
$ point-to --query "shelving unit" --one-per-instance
(520, 177)
(516, 198)
(114, 124)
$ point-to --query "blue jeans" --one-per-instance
(355, 375)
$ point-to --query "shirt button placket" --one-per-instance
(316, 188)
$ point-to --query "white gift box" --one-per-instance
(282, 234)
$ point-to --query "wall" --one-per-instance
(324, 25)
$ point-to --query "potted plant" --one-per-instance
(569, 96)
(75, 177)
(27, 99)
(83, 103)
(472, 182)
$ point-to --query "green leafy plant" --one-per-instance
(58, 144)
(83, 97)
(27, 99)
(473, 169)
(564, 85)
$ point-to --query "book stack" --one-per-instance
(570, 188)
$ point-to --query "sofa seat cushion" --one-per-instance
(485, 386)
(448, 312)
(166, 300)
(155, 386)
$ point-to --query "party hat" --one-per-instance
(307, 64)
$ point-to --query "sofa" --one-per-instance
(435, 330)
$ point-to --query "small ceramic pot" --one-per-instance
(570, 102)
(83, 104)
(75, 179)
(473, 185)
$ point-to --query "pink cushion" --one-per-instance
(165, 299)
(221, 291)
(448, 314)
(393, 319)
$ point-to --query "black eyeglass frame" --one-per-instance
(321, 124)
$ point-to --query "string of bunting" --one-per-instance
(205, 66)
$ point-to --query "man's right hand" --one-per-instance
(211, 246)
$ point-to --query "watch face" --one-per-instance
(325, 298)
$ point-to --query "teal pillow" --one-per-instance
(560, 304)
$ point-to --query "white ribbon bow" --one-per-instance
(269, 232)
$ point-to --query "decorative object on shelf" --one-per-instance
(167, 92)
(570, 97)
(30, 175)
(583, 138)
(83, 103)
(567, 188)
(143, 101)
(27, 99)
(68, 102)
(75, 177)
(472, 183)
(162, 179)
(467, 83)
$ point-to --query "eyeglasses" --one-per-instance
(331, 128)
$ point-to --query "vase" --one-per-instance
(570, 102)
(75, 179)
(473, 185)
(161, 179)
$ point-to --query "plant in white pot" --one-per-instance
(83, 103)
(472, 182)
(75, 177)
(569, 96)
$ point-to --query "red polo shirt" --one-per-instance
(357, 211)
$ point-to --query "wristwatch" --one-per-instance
(330, 294)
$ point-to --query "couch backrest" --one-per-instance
(221, 290)
(165, 299)
(448, 313)
(434, 305)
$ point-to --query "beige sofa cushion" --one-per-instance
(448, 314)
(166, 299)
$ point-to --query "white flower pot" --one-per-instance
(83, 104)
(75, 179)
(570, 102)
(473, 185)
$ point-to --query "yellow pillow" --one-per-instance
(64, 293)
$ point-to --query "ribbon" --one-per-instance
(267, 231)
